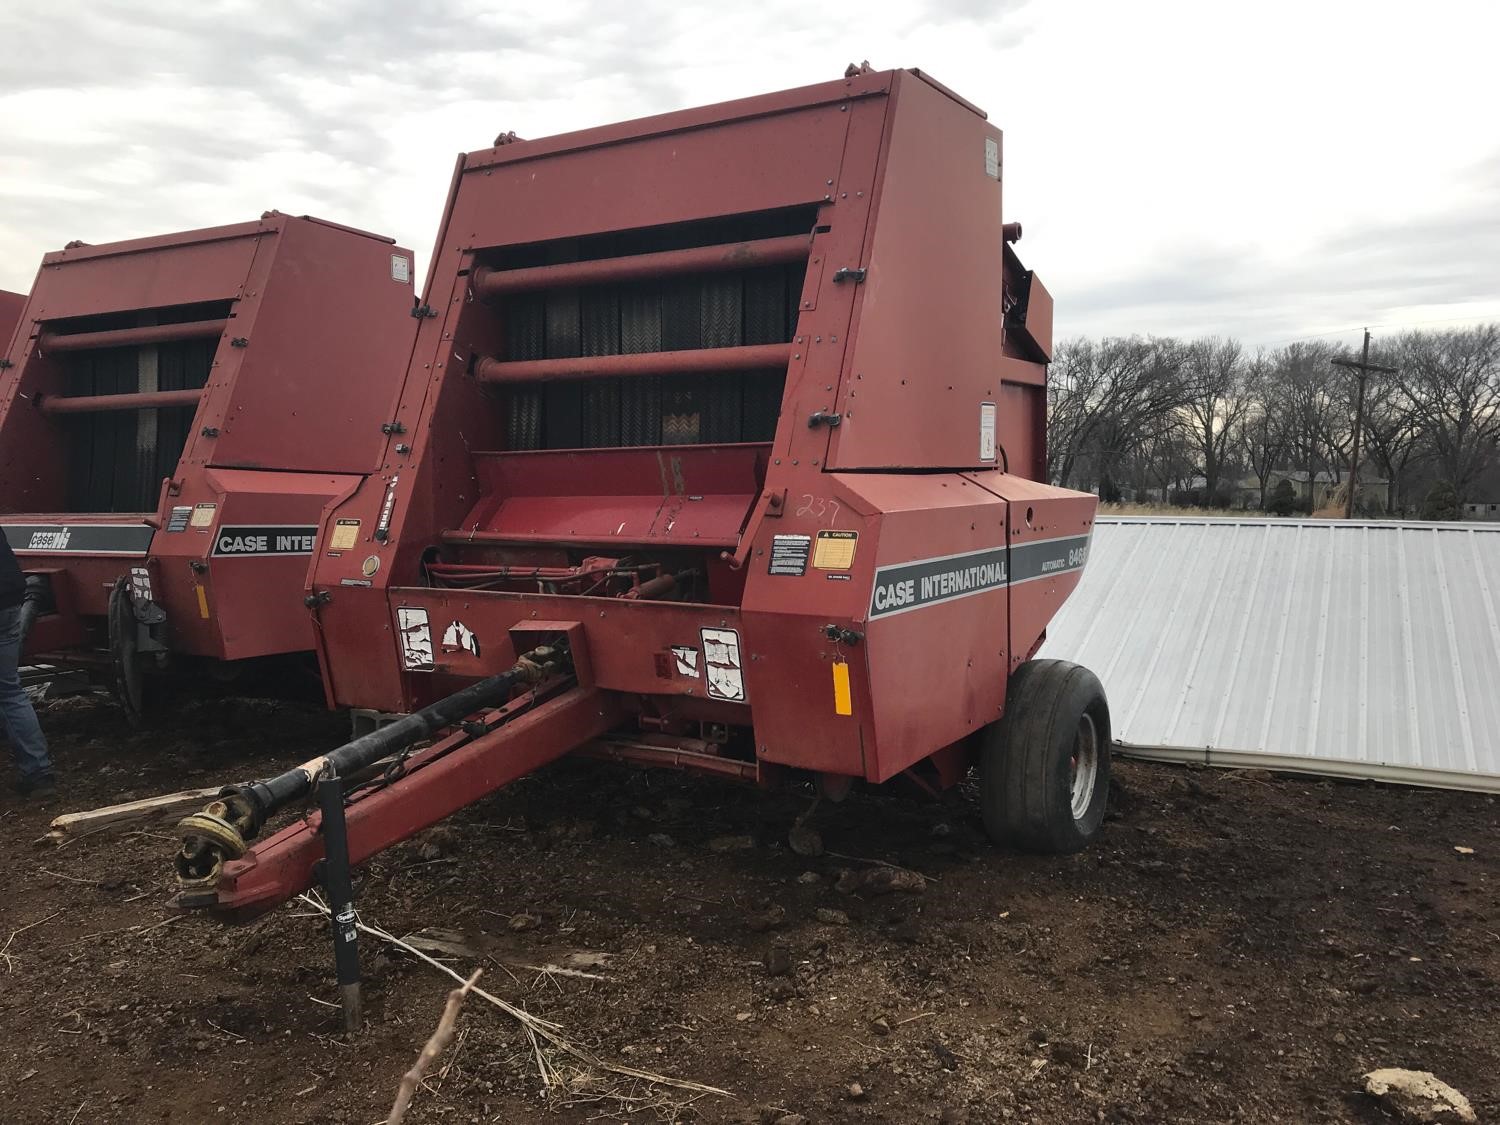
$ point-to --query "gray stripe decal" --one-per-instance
(1047, 557)
(902, 587)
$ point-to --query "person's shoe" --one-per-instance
(42, 788)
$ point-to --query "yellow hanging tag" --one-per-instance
(843, 703)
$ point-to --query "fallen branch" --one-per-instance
(435, 1046)
(536, 1028)
(452, 943)
(111, 816)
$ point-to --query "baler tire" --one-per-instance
(1056, 722)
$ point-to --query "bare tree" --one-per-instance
(1262, 434)
(1215, 400)
(1451, 381)
(1303, 375)
(1163, 455)
(1393, 435)
(1102, 396)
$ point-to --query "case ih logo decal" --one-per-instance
(913, 585)
(80, 538)
(50, 540)
(265, 540)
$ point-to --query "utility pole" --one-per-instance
(1364, 367)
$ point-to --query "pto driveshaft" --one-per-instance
(222, 831)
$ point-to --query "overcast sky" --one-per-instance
(1270, 169)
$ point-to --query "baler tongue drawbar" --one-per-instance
(493, 739)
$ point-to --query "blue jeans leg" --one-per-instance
(17, 715)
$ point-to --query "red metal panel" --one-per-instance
(927, 333)
(687, 495)
(625, 638)
(1038, 512)
(754, 164)
(329, 331)
(685, 120)
(253, 601)
(208, 265)
(921, 679)
(1038, 326)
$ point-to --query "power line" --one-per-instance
(1389, 324)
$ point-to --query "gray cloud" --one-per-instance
(136, 118)
(1344, 279)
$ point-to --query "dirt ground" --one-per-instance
(1236, 948)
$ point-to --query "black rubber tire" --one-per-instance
(1025, 778)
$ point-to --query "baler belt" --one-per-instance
(525, 338)
(722, 310)
(118, 459)
(640, 399)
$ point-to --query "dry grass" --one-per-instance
(1173, 510)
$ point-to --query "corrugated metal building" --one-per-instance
(1361, 649)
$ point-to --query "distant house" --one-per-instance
(1485, 493)
(1373, 494)
(1482, 511)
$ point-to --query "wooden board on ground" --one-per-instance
(70, 825)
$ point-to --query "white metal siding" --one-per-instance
(1365, 649)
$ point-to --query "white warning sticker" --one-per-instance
(400, 268)
(686, 658)
(992, 158)
(416, 638)
(986, 431)
(458, 637)
(721, 662)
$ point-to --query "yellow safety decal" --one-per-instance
(345, 535)
(835, 550)
(203, 516)
(202, 602)
(843, 704)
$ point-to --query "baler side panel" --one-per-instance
(939, 659)
(927, 331)
(255, 554)
(339, 302)
(824, 329)
(1049, 531)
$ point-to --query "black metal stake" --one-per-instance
(338, 884)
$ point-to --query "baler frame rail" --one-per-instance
(493, 737)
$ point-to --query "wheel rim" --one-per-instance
(1084, 766)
